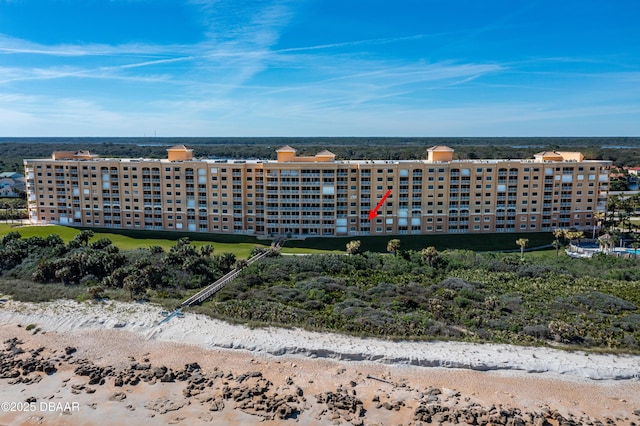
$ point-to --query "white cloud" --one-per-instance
(237, 82)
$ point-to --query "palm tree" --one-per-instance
(241, 264)
(635, 244)
(393, 246)
(206, 250)
(616, 238)
(574, 235)
(610, 214)
(558, 233)
(134, 285)
(353, 247)
(84, 236)
(598, 216)
(634, 200)
(429, 255)
(227, 260)
(522, 242)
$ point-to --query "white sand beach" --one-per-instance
(112, 334)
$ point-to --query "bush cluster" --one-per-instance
(411, 294)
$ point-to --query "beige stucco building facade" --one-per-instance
(317, 195)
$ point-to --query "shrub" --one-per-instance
(533, 271)
(382, 291)
(444, 331)
(601, 302)
(629, 341)
(89, 280)
(327, 284)
(312, 305)
(283, 294)
(256, 250)
(95, 292)
(455, 284)
(100, 244)
(630, 322)
(478, 296)
(538, 331)
(563, 332)
(462, 302)
(370, 317)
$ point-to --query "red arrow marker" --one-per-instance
(373, 213)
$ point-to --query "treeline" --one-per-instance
(622, 151)
(337, 140)
(13, 208)
(100, 266)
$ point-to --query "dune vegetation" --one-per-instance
(536, 298)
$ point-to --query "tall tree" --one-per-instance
(429, 256)
(613, 203)
(573, 235)
(599, 218)
(206, 250)
(84, 236)
(522, 242)
(353, 247)
(558, 234)
(635, 244)
(241, 264)
(393, 246)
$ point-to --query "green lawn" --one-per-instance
(126, 242)
(299, 250)
(241, 245)
(476, 242)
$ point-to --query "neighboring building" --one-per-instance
(11, 184)
(318, 195)
(634, 171)
(623, 180)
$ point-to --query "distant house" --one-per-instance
(12, 184)
(634, 171)
(11, 175)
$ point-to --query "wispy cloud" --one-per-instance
(352, 43)
(245, 74)
(13, 75)
(12, 45)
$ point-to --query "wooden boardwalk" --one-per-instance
(212, 289)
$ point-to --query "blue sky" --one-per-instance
(319, 68)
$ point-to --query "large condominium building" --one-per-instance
(318, 195)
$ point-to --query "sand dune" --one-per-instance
(390, 378)
(210, 333)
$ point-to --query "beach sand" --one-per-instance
(251, 376)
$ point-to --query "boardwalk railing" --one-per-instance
(212, 289)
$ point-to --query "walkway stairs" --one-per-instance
(212, 289)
